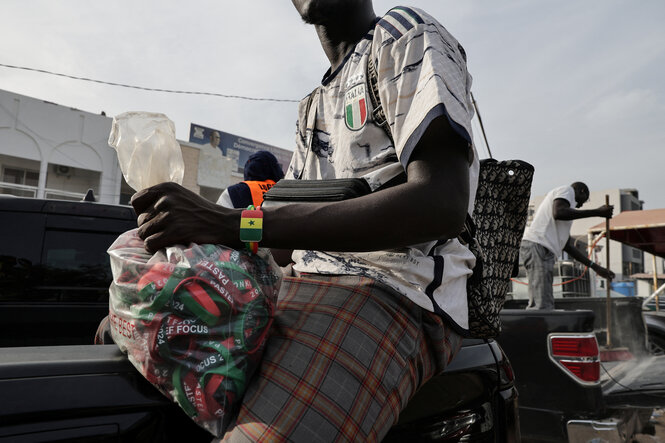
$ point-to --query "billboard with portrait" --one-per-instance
(223, 155)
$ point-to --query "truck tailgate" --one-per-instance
(635, 383)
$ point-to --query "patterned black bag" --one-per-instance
(499, 216)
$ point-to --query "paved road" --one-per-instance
(659, 436)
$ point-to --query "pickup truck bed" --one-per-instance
(92, 392)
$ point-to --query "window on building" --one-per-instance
(629, 268)
(18, 176)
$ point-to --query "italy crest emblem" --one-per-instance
(355, 107)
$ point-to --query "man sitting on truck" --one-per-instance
(380, 304)
(549, 234)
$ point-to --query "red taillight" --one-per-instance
(585, 371)
(574, 346)
(577, 354)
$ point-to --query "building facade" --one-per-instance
(51, 151)
(56, 152)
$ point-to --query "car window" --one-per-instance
(20, 249)
(76, 265)
(56, 257)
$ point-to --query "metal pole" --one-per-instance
(655, 280)
(591, 255)
(608, 280)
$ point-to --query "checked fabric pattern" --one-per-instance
(344, 356)
(500, 213)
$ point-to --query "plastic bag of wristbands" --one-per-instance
(193, 320)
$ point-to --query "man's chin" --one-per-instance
(315, 18)
(321, 12)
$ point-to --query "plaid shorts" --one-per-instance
(344, 357)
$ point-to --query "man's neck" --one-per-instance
(338, 38)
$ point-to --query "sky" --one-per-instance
(576, 88)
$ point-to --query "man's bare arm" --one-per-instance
(580, 257)
(562, 211)
(432, 204)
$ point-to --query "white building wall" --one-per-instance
(51, 134)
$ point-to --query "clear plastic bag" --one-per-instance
(148, 151)
(193, 321)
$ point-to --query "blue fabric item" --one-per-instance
(241, 196)
(262, 166)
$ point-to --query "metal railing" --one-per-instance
(18, 190)
(653, 297)
(58, 194)
(31, 191)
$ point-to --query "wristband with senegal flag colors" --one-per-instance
(251, 228)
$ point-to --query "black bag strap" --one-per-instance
(308, 137)
(378, 114)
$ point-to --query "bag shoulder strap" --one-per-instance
(310, 98)
(378, 114)
(308, 107)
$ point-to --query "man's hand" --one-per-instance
(605, 211)
(169, 214)
(605, 273)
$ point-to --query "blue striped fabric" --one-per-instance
(390, 28)
(413, 14)
(401, 19)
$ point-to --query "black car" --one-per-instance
(57, 385)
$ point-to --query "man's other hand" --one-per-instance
(605, 273)
(605, 211)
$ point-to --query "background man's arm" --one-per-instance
(432, 204)
(580, 257)
(562, 211)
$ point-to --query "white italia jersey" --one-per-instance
(421, 75)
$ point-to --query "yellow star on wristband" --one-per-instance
(251, 227)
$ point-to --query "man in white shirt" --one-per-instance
(549, 234)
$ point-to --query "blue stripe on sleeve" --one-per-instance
(400, 18)
(412, 13)
(390, 28)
